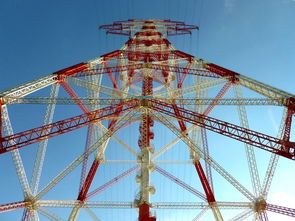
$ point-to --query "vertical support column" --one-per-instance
(273, 162)
(209, 194)
(40, 155)
(88, 180)
(287, 127)
(208, 191)
(144, 143)
(251, 160)
(288, 123)
(90, 132)
(1, 122)
(16, 157)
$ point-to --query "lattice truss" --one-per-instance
(159, 131)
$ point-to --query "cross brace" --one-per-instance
(60, 127)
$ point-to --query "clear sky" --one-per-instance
(254, 38)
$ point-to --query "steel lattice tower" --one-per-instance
(145, 84)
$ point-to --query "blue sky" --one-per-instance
(254, 38)
(38, 35)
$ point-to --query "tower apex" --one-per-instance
(165, 26)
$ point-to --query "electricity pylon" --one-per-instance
(145, 84)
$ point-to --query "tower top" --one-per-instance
(165, 26)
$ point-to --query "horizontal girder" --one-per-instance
(159, 205)
(110, 101)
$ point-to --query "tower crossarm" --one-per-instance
(30, 87)
(60, 127)
(245, 135)
(263, 89)
(250, 83)
(159, 27)
(35, 85)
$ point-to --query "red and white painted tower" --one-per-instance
(146, 82)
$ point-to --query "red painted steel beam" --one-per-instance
(148, 34)
(220, 95)
(147, 43)
(73, 94)
(60, 127)
(254, 138)
(112, 78)
(287, 129)
(180, 121)
(13, 206)
(111, 55)
(280, 209)
(128, 33)
(111, 182)
(287, 126)
(125, 27)
(1, 123)
(145, 213)
(146, 56)
(72, 70)
(86, 157)
(291, 104)
(105, 70)
(84, 184)
(88, 180)
(115, 120)
(205, 184)
(181, 80)
(221, 71)
(182, 54)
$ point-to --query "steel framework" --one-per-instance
(140, 90)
